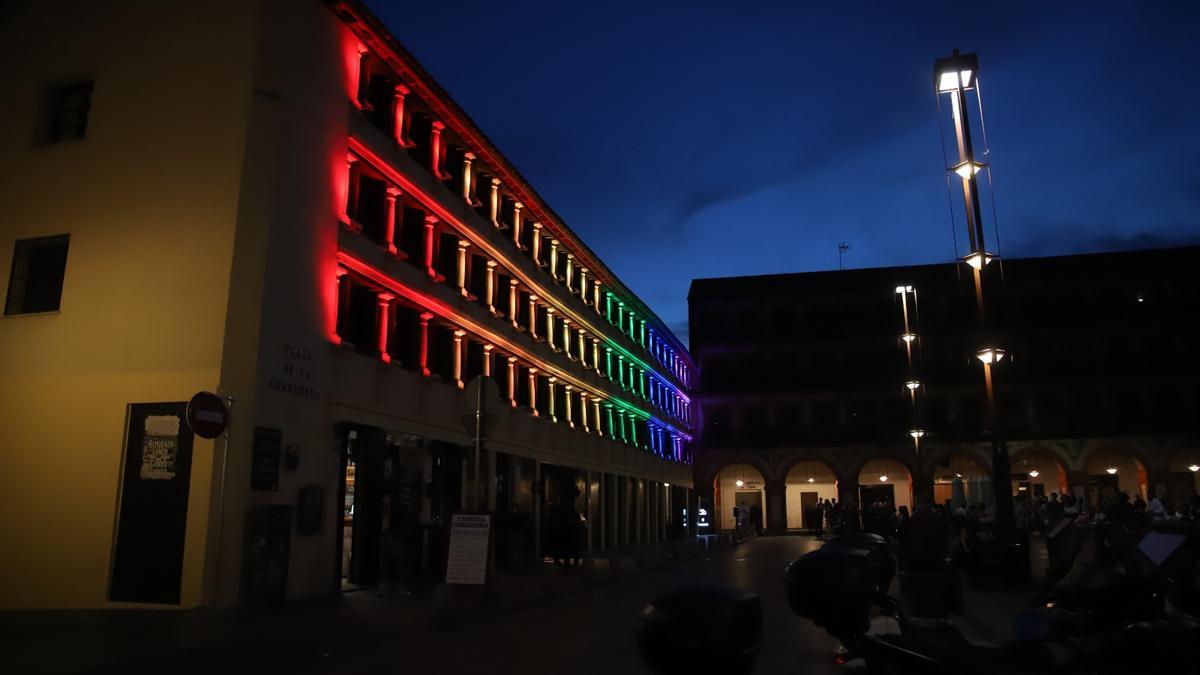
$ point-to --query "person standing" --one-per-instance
(756, 518)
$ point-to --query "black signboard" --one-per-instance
(264, 459)
(268, 544)
(147, 564)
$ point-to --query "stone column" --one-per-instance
(596, 416)
(435, 150)
(533, 316)
(596, 295)
(343, 313)
(552, 385)
(583, 411)
(382, 321)
(621, 316)
(536, 251)
(458, 357)
(513, 290)
(389, 223)
(554, 259)
(582, 349)
(431, 245)
(533, 391)
(621, 370)
(494, 204)
(642, 323)
(612, 429)
(776, 506)
(550, 328)
(596, 355)
(468, 187)
(583, 285)
(512, 381)
(463, 244)
(516, 226)
(608, 362)
(624, 435)
(491, 288)
(423, 342)
(488, 355)
(566, 334)
(570, 270)
(567, 404)
(350, 203)
(399, 122)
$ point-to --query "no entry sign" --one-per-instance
(207, 415)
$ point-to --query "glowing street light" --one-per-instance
(811, 479)
(883, 478)
(955, 72)
(990, 355)
(1112, 471)
(740, 483)
(967, 170)
(1033, 473)
(917, 433)
(979, 259)
(912, 385)
(903, 289)
(1194, 468)
(908, 337)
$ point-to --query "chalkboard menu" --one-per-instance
(264, 459)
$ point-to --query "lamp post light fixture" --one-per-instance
(968, 169)
(990, 355)
(1194, 468)
(978, 260)
(1033, 473)
(811, 479)
(883, 477)
(917, 433)
(908, 337)
(739, 482)
(1112, 471)
(912, 385)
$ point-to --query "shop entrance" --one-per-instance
(871, 494)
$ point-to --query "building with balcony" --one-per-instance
(861, 385)
(273, 201)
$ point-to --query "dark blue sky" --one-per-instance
(700, 139)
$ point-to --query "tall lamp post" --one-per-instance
(954, 77)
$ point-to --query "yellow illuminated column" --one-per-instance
(596, 295)
(551, 383)
(596, 416)
(512, 302)
(458, 357)
(533, 391)
(550, 328)
(537, 244)
(491, 287)
(382, 320)
(582, 349)
(389, 223)
(398, 122)
(468, 178)
(423, 341)
(583, 285)
(488, 353)
(512, 381)
(570, 270)
(596, 354)
(554, 259)
(533, 316)
(462, 267)
(494, 204)
(583, 412)
(568, 389)
(516, 225)
(566, 334)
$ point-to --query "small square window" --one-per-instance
(35, 284)
(68, 106)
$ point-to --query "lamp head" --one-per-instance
(912, 384)
(954, 72)
(1112, 471)
(883, 478)
(967, 169)
(739, 482)
(1194, 468)
(917, 433)
(811, 479)
(908, 337)
(1033, 473)
(979, 259)
(900, 290)
(990, 355)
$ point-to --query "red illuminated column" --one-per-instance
(436, 150)
(512, 381)
(364, 78)
(516, 225)
(488, 354)
(550, 328)
(389, 225)
(537, 244)
(494, 204)
(513, 296)
(458, 357)
(462, 268)
(567, 398)
(399, 122)
(468, 189)
(382, 321)
(566, 334)
(491, 287)
(350, 203)
(552, 384)
(533, 391)
(431, 244)
(423, 342)
(533, 316)
(343, 305)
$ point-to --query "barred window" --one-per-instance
(36, 281)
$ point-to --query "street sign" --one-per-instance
(207, 415)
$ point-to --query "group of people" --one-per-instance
(747, 517)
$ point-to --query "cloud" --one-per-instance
(1071, 238)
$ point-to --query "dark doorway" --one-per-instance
(807, 501)
(869, 494)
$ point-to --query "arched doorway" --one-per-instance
(1111, 471)
(807, 482)
(962, 479)
(1037, 473)
(1183, 476)
(739, 485)
(885, 479)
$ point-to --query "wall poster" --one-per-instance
(147, 563)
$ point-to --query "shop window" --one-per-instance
(36, 280)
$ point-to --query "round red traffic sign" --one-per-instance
(207, 415)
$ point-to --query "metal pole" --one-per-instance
(216, 579)
(478, 445)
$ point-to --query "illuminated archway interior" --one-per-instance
(807, 482)
(1113, 470)
(961, 474)
(885, 479)
(738, 484)
(1036, 474)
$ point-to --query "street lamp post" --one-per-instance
(954, 76)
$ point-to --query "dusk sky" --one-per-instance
(703, 139)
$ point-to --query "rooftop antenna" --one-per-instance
(842, 248)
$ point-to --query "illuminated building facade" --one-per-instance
(298, 217)
(810, 390)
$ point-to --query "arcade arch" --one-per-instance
(739, 485)
(807, 482)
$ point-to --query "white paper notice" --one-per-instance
(468, 557)
(160, 442)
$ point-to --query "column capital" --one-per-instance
(532, 297)
(401, 89)
(459, 333)
(496, 182)
(426, 316)
(512, 360)
(463, 243)
(552, 380)
(341, 272)
(518, 205)
(438, 125)
(537, 225)
(550, 310)
(569, 387)
(393, 192)
(385, 297)
(491, 264)
(554, 242)
(532, 370)
(430, 220)
(469, 156)
(514, 282)
(488, 348)
(566, 322)
(351, 158)
(570, 256)
(596, 340)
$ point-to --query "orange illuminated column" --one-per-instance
(491, 287)
(468, 189)
(570, 418)
(423, 342)
(596, 415)
(596, 295)
(533, 391)
(583, 412)
(551, 383)
(488, 354)
(389, 224)
(596, 354)
(383, 310)
(343, 306)
(462, 269)
(550, 328)
(458, 357)
(512, 381)
(583, 285)
(437, 150)
(494, 204)
(570, 270)
(431, 245)
(537, 244)
(399, 121)
(533, 316)
(513, 291)
(566, 334)
(554, 259)
(516, 225)
(582, 349)
(350, 201)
